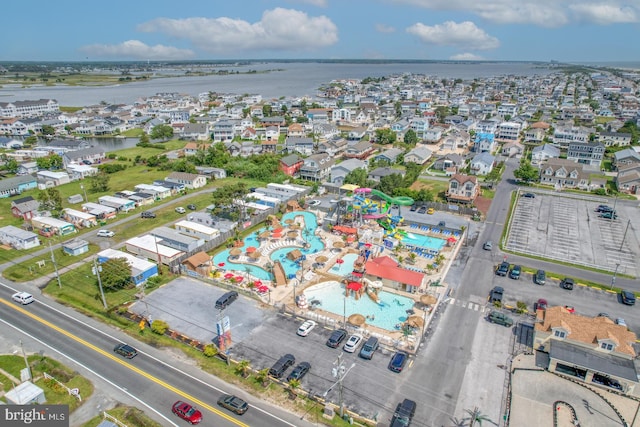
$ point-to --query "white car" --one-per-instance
(620, 321)
(314, 202)
(352, 343)
(180, 209)
(306, 327)
(105, 233)
(23, 298)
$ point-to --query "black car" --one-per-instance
(233, 403)
(281, 365)
(191, 207)
(529, 195)
(540, 278)
(496, 294)
(608, 215)
(414, 208)
(126, 350)
(604, 208)
(336, 338)
(299, 371)
(567, 283)
(398, 360)
(422, 209)
(515, 272)
(628, 297)
(503, 269)
(147, 214)
(404, 413)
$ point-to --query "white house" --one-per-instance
(482, 163)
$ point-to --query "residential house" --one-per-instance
(196, 131)
(356, 133)
(249, 133)
(223, 130)
(487, 126)
(269, 146)
(340, 170)
(433, 134)
(390, 155)
(25, 208)
(199, 264)
(392, 275)
(277, 121)
(594, 350)
(212, 173)
(628, 156)
(534, 135)
(462, 189)
(361, 150)
(484, 143)
(10, 143)
(304, 145)
(272, 133)
(89, 155)
(482, 163)
(508, 131)
(565, 135)
(378, 173)
(48, 179)
(174, 239)
(141, 269)
(333, 147)
(542, 153)
(614, 139)
(451, 162)
(53, 225)
(75, 247)
(27, 168)
(456, 139)
(511, 149)
(564, 173)
(317, 167)
(318, 115)
(78, 172)
(192, 148)
(290, 164)
(325, 130)
(586, 153)
(190, 180)
(18, 238)
(295, 129)
(628, 178)
(418, 155)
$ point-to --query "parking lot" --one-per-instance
(261, 335)
(566, 227)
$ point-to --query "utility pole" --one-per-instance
(340, 373)
(55, 265)
(26, 361)
(96, 267)
(613, 279)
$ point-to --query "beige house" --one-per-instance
(592, 349)
(563, 173)
(463, 189)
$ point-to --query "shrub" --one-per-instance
(210, 350)
(159, 326)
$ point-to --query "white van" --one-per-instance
(23, 298)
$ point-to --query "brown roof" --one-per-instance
(463, 178)
(587, 330)
(541, 125)
(197, 260)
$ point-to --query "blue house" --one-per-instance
(484, 142)
(75, 247)
(16, 185)
(141, 269)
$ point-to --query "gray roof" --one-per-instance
(605, 363)
(11, 230)
(551, 150)
(14, 182)
(485, 158)
(626, 153)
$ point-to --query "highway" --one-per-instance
(152, 378)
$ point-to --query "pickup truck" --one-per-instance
(496, 294)
(503, 269)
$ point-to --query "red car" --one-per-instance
(187, 412)
(570, 309)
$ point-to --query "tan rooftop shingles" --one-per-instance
(587, 330)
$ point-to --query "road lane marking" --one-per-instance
(125, 364)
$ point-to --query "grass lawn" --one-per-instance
(436, 186)
(127, 415)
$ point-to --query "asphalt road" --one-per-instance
(153, 379)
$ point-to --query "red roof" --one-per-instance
(346, 230)
(354, 286)
(381, 268)
(384, 261)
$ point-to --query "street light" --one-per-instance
(613, 279)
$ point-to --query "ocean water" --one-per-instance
(290, 79)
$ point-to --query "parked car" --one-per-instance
(488, 245)
(87, 162)
(414, 208)
(281, 365)
(422, 209)
(529, 195)
(105, 233)
(540, 278)
(620, 321)
(147, 214)
(608, 215)
(496, 294)
(180, 210)
(628, 297)
(515, 272)
(500, 318)
(398, 360)
(336, 338)
(299, 371)
(314, 203)
(604, 208)
(571, 309)
(23, 298)
(567, 283)
(404, 413)
(125, 350)
(352, 343)
(503, 269)
(306, 327)
(233, 403)
(604, 315)
(186, 412)
(431, 211)
(541, 304)
(369, 348)
(191, 207)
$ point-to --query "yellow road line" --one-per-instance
(125, 364)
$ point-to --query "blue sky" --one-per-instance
(540, 30)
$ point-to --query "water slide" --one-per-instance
(377, 284)
(399, 200)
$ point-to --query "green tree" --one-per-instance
(99, 183)
(115, 273)
(49, 162)
(388, 184)
(50, 200)
(225, 197)
(161, 132)
(357, 177)
(410, 137)
(266, 110)
(526, 172)
(48, 130)
(11, 165)
(476, 417)
(30, 141)
(385, 136)
(144, 140)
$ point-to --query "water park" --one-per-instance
(358, 265)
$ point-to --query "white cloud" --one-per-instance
(137, 50)
(605, 14)
(279, 29)
(466, 57)
(383, 28)
(464, 35)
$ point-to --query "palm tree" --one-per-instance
(263, 377)
(243, 367)
(475, 416)
(293, 385)
(412, 257)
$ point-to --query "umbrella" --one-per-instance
(428, 299)
(258, 283)
(251, 249)
(451, 239)
(356, 319)
(254, 255)
(263, 288)
(295, 226)
(339, 261)
(221, 264)
(288, 221)
(367, 245)
(278, 231)
(322, 259)
(239, 278)
(415, 321)
(338, 244)
(292, 234)
(228, 275)
(264, 235)
(235, 252)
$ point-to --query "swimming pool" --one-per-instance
(391, 311)
(346, 267)
(420, 240)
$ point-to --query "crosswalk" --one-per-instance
(468, 305)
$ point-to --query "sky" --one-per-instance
(503, 30)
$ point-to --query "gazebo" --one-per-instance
(294, 255)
